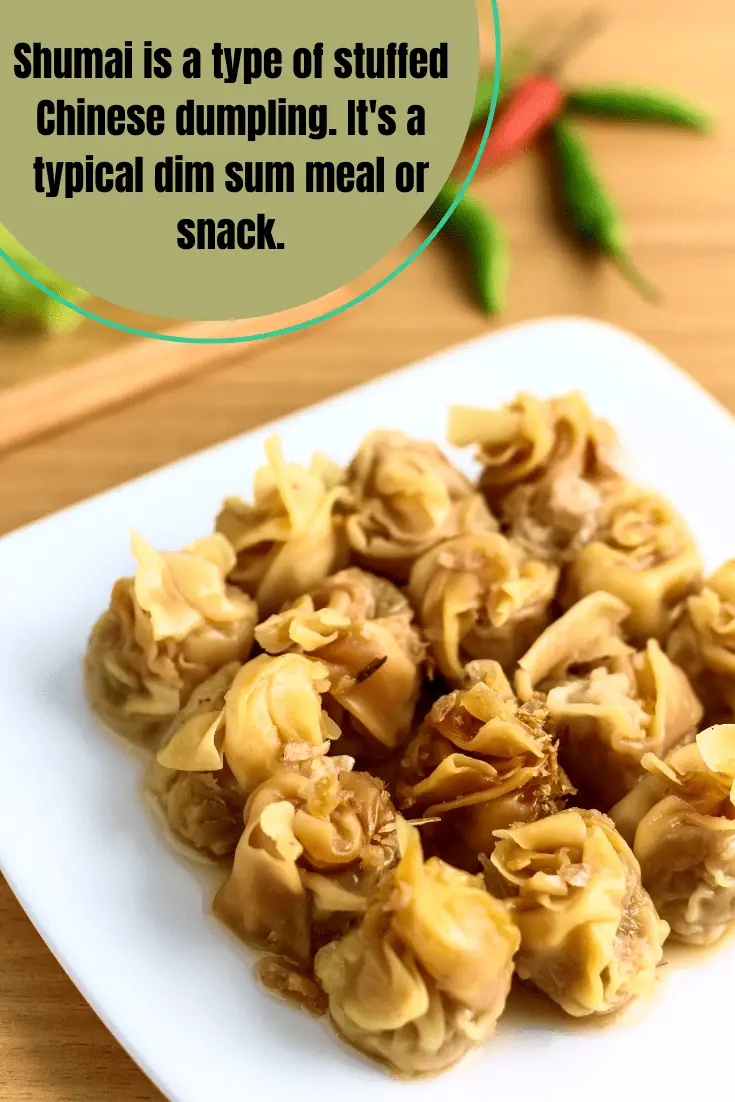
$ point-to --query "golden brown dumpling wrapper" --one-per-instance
(292, 535)
(424, 977)
(272, 718)
(316, 843)
(360, 595)
(607, 720)
(491, 672)
(590, 935)
(477, 596)
(530, 435)
(589, 632)
(702, 640)
(682, 818)
(407, 497)
(202, 809)
(481, 763)
(643, 553)
(628, 812)
(166, 630)
(546, 469)
(359, 626)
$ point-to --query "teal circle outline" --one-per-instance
(173, 339)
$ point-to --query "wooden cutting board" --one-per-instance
(48, 381)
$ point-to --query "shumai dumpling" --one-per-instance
(588, 633)
(481, 763)
(272, 718)
(201, 807)
(424, 977)
(292, 535)
(618, 711)
(317, 841)
(360, 595)
(590, 936)
(478, 596)
(407, 497)
(702, 640)
(546, 469)
(166, 630)
(644, 554)
(359, 626)
(681, 820)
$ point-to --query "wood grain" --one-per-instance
(678, 194)
(53, 400)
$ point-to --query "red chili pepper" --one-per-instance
(529, 109)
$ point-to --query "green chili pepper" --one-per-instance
(476, 231)
(592, 212)
(484, 96)
(638, 105)
(20, 300)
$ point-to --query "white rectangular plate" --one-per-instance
(127, 918)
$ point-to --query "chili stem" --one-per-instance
(577, 35)
(636, 279)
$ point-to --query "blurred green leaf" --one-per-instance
(20, 300)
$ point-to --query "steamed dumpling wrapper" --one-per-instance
(590, 936)
(316, 843)
(643, 553)
(546, 469)
(407, 497)
(702, 640)
(481, 763)
(588, 633)
(292, 535)
(274, 714)
(272, 718)
(359, 626)
(360, 595)
(682, 820)
(622, 709)
(166, 630)
(491, 672)
(530, 436)
(697, 771)
(424, 977)
(202, 808)
(477, 596)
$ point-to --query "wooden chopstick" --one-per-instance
(45, 405)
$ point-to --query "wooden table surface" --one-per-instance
(678, 194)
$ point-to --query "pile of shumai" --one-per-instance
(440, 732)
